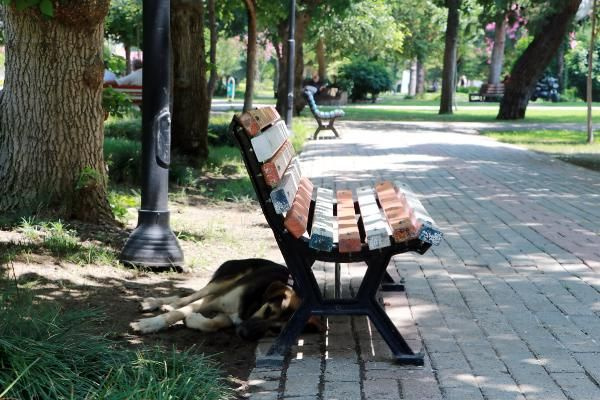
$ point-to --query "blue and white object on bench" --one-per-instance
(322, 116)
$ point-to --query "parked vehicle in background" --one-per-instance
(546, 89)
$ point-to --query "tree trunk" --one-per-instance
(560, 67)
(412, 83)
(497, 59)
(590, 128)
(250, 54)
(191, 107)
(534, 60)
(127, 59)
(51, 113)
(212, 52)
(449, 71)
(282, 57)
(321, 60)
(302, 23)
(420, 76)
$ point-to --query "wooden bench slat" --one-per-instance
(268, 142)
(296, 219)
(274, 168)
(321, 234)
(427, 230)
(395, 210)
(348, 234)
(376, 228)
(283, 195)
(255, 121)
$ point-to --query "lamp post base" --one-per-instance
(152, 244)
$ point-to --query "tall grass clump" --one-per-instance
(50, 353)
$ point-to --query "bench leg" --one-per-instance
(330, 126)
(390, 285)
(317, 132)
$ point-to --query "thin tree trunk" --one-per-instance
(497, 59)
(560, 68)
(212, 52)
(451, 44)
(127, 59)
(534, 60)
(191, 107)
(412, 83)
(51, 113)
(321, 60)
(302, 23)
(420, 76)
(250, 53)
(282, 56)
(590, 128)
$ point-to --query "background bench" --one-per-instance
(322, 116)
(369, 224)
(134, 92)
(488, 92)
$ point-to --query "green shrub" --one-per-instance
(123, 158)
(116, 103)
(124, 128)
(364, 77)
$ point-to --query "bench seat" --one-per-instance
(364, 224)
(488, 92)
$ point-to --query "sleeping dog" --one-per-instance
(253, 295)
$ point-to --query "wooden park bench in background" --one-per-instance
(134, 92)
(488, 92)
(312, 224)
(322, 117)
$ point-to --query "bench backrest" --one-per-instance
(134, 92)
(492, 88)
(312, 104)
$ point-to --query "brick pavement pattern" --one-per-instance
(507, 307)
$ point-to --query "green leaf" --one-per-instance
(47, 8)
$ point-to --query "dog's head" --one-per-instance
(278, 304)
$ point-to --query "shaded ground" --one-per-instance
(210, 233)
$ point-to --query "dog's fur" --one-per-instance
(252, 294)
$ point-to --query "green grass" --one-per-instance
(463, 114)
(51, 353)
(58, 240)
(570, 146)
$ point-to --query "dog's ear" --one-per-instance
(280, 293)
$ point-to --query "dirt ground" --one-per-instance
(209, 233)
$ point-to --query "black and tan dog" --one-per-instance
(252, 294)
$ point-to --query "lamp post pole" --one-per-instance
(153, 244)
(291, 61)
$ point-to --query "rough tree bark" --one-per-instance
(321, 59)
(449, 70)
(412, 83)
(534, 60)
(497, 59)
(212, 51)
(420, 76)
(250, 54)
(51, 113)
(191, 107)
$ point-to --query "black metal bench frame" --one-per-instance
(322, 126)
(299, 258)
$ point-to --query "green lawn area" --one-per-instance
(570, 146)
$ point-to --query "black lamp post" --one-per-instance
(291, 60)
(152, 243)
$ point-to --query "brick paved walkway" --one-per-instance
(508, 307)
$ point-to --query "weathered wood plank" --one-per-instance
(395, 210)
(274, 168)
(376, 228)
(255, 121)
(425, 227)
(296, 219)
(321, 234)
(283, 195)
(349, 237)
(268, 142)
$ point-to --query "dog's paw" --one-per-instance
(148, 325)
(167, 307)
(150, 304)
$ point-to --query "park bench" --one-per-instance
(322, 117)
(370, 225)
(488, 92)
(134, 92)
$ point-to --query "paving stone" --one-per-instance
(577, 386)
